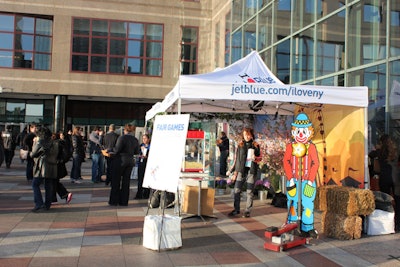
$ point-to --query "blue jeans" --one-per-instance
(76, 167)
(37, 193)
(97, 167)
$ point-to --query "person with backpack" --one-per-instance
(8, 145)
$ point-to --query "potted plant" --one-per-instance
(220, 186)
(262, 186)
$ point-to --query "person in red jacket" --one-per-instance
(301, 164)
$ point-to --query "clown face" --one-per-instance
(301, 135)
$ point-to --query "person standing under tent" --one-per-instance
(126, 147)
(143, 155)
(109, 141)
(244, 171)
(223, 145)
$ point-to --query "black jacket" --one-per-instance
(126, 147)
(241, 156)
(45, 154)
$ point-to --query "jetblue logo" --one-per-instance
(247, 79)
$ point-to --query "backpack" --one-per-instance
(7, 140)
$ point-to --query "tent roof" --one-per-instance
(248, 82)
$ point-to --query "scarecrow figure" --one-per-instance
(301, 164)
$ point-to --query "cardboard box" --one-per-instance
(190, 200)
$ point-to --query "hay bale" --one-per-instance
(320, 202)
(349, 201)
(365, 201)
(340, 226)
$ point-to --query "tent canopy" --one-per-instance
(248, 85)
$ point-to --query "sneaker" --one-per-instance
(76, 181)
(246, 214)
(69, 198)
(234, 213)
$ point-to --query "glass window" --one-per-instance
(371, 39)
(25, 40)
(394, 99)
(281, 20)
(304, 13)
(118, 29)
(303, 56)
(283, 61)
(99, 46)
(6, 41)
(264, 28)
(99, 27)
(6, 23)
(236, 51)
(189, 46)
(116, 46)
(24, 24)
(6, 58)
(117, 65)
(330, 45)
(395, 28)
(250, 37)
(375, 79)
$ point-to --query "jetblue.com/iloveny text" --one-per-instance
(259, 90)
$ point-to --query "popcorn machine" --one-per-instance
(194, 152)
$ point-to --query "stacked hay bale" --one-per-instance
(341, 209)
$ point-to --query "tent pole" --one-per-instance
(179, 105)
(367, 184)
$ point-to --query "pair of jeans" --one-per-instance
(76, 167)
(97, 167)
(29, 168)
(37, 193)
(241, 180)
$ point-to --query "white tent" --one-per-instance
(238, 87)
(249, 85)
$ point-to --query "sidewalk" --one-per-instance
(88, 232)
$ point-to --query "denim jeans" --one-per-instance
(37, 193)
(97, 167)
(76, 167)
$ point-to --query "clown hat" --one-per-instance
(302, 121)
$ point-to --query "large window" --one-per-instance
(189, 45)
(118, 47)
(25, 41)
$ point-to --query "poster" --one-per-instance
(167, 150)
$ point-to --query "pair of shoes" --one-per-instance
(39, 209)
(312, 233)
(246, 214)
(112, 204)
(69, 198)
(234, 213)
(76, 181)
(138, 197)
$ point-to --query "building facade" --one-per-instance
(335, 43)
(88, 62)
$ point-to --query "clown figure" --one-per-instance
(301, 164)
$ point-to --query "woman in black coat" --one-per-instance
(244, 171)
(126, 147)
(45, 155)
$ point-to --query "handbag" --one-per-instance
(23, 154)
